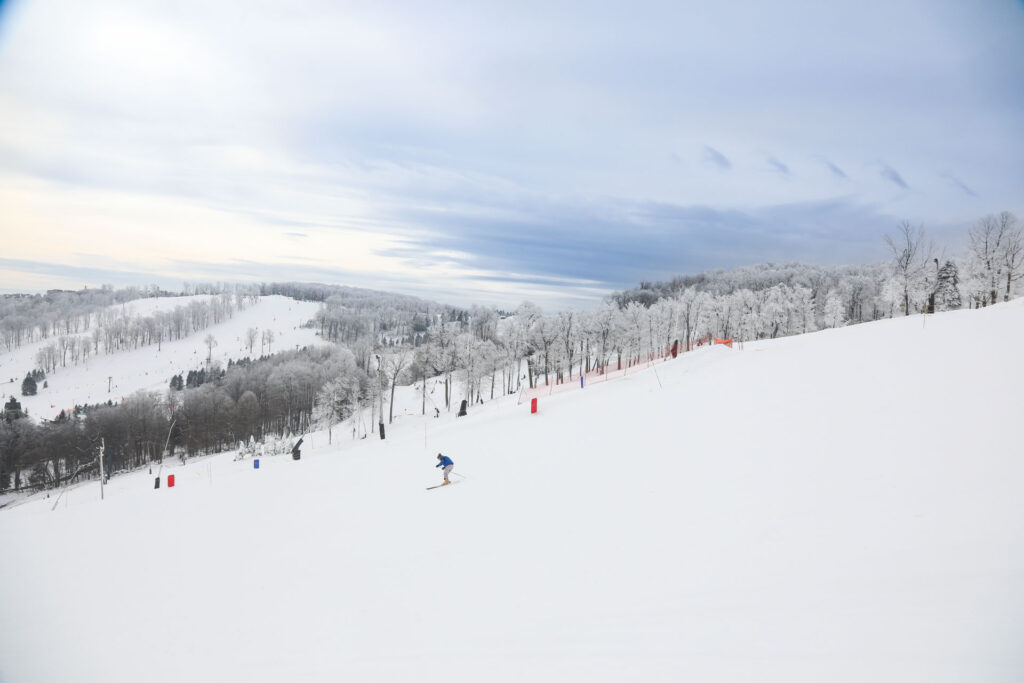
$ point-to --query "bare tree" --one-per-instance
(422, 366)
(210, 342)
(250, 337)
(912, 252)
(392, 366)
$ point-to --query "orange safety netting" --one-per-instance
(603, 373)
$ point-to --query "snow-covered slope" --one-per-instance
(149, 367)
(842, 506)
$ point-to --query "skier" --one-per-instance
(447, 464)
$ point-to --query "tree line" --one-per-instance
(251, 399)
(919, 276)
(29, 318)
(121, 330)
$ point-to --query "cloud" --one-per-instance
(455, 145)
(616, 244)
(893, 176)
(778, 166)
(713, 156)
(956, 182)
(75, 276)
(836, 171)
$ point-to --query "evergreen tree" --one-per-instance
(28, 386)
(947, 290)
(195, 378)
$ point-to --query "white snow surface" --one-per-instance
(147, 367)
(839, 506)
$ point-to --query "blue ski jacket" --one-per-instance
(445, 461)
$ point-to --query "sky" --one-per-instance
(485, 152)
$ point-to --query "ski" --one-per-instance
(440, 485)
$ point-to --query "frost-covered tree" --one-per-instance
(445, 355)
(803, 302)
(568, 335)
(1013, 254)
(545, 332)
(421, 368)
(775, 311)
(338, 398)
(251, 335)
(691, 307)
(515, 346)
(835, 310)
(663, 317)
(480, 361)
(527, 316)
(911, 254)
(605, 323)
(947, 290)
(636, 324)
(247, 415)
(987, 242)
(210, 342)
(393, 364)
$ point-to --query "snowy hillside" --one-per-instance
(150, 367)
(839, 506)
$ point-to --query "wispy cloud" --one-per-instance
(956, 182)
(619, 243)
(713, 156)
(777, 165)
(836, 171)
(893, 176)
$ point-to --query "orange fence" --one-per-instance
(612, 371)
(599, 374)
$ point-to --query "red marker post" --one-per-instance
(533, 406)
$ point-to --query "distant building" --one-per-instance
(12, 410)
